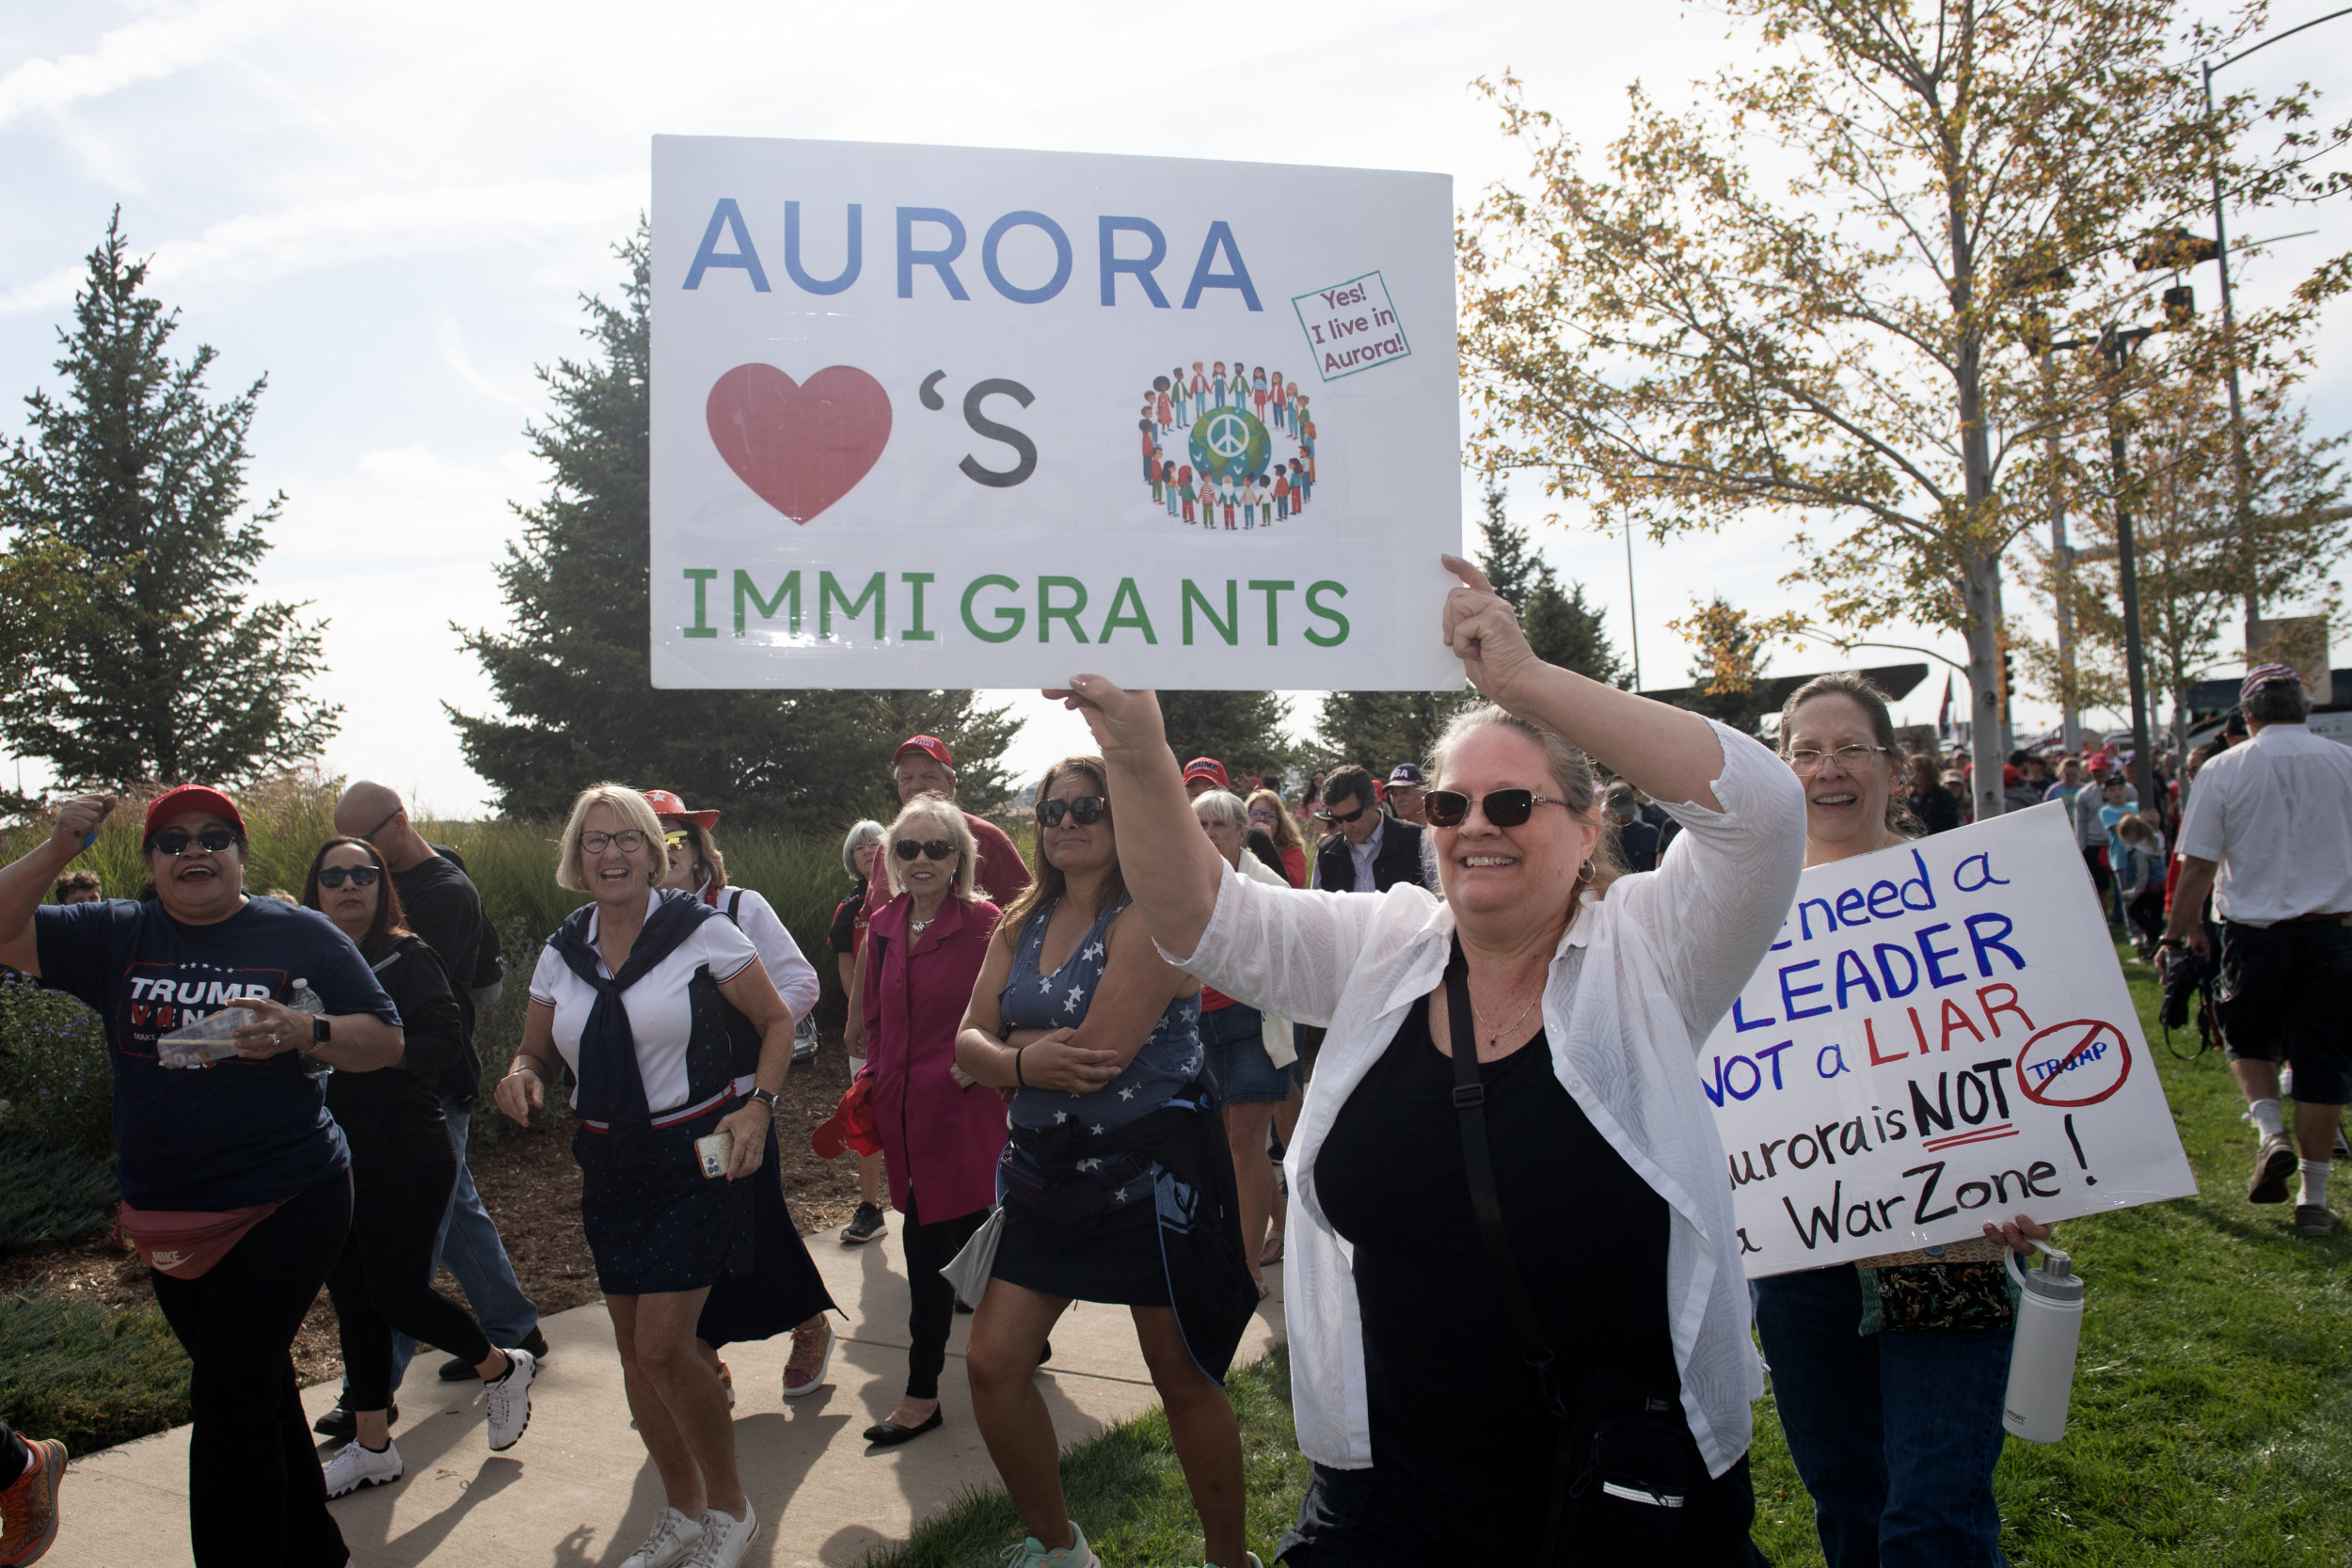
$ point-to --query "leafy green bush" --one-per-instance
(53, 1073)
(74, 1371)
(50, 1194)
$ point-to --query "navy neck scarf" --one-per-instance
(611, 1088)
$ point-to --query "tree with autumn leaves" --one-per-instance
(1848, 343)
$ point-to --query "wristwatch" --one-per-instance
(767, 1098)
(321, 1032)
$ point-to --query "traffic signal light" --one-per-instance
(2180, 307)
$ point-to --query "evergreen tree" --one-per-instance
(1562, 629)
(1380, 729)
(573, 673)
(1511, 566)
(164, 672)
(1243, 729)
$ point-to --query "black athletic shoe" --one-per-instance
(863, 1226)
(342, 1424)
(458, 1369)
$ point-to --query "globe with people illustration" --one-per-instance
(1214, 439)
(1230, 443)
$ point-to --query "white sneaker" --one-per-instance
(673, 1536)
(510, 1400)
(725, 1538)
(353, 1467)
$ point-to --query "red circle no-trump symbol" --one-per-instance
(2074, 1064)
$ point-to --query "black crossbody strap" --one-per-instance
(1470, 1106)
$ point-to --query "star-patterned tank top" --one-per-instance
(1170, 1059)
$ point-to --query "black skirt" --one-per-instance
(782, 1288)
(656, 1224)
(1113, 1257)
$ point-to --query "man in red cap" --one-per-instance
(921, 765)
(1202, 774)
(2269, 835)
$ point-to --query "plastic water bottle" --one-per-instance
(302, 999)
(2041, 1362)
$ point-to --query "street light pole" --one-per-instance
(2229, 343)
(1633, 620)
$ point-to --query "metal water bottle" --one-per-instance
(2041, 1361)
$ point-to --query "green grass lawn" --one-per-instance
(2212, 1419)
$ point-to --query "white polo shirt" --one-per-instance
(2276, 813)
(660, 1016)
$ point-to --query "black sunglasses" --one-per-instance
(1334, 816)
(359, 875)
(211, 841)
(1504, 808)
(1086, 811)
(938, 848)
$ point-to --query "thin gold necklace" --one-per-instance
(1495, 1040)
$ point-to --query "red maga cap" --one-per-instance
(1207, 767)
(929, 745)
(185, 797)
(666, 804)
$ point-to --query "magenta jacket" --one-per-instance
(941, 1142)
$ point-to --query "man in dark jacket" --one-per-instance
(445, 908)
(1636, 838)
(1370, 852)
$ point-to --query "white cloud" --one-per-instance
(152, 47)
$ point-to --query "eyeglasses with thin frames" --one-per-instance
(1853, 758)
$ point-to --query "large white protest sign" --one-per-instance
(928, 416)
(1940, 1038)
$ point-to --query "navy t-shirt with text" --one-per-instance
(234, 1132)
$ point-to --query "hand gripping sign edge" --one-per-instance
(2096, 1033)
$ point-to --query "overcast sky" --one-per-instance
(391, 211)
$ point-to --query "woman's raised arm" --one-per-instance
(1670, 754)
(1172, 869)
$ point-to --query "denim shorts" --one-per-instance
(1235, 1039)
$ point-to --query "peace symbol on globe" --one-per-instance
(1228, 443)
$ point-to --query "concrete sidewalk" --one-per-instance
(578, 1489)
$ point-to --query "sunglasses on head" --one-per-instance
(358, 876)
(211, 841)
(1086, 811)
(1504, 808)
(937, 849)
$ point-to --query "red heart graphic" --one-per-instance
(800, 447)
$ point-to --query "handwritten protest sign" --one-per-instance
(1940, 1038)
(949, 417)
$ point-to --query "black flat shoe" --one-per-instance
(889, 1435)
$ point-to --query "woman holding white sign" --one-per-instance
(1889, 1373)
(1529, 1036)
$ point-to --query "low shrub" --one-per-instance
(91, 1377)
(53, 1073)
(50, 1194)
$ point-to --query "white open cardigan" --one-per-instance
(1665, 954)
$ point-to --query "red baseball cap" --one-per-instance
(666, 804)
(1207, 767)
(183, 797)
(929, 745)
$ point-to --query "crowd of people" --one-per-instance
(1437, 998)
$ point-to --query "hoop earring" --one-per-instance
(1585, 872)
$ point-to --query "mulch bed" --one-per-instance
(531, 1185)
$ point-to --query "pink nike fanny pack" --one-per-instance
(186, 1243)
